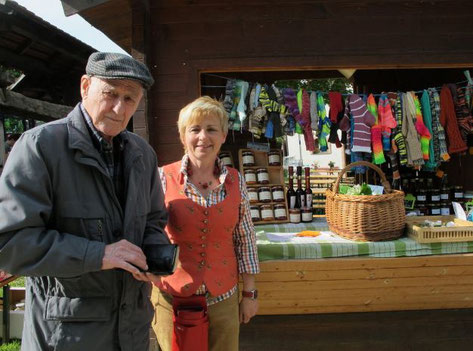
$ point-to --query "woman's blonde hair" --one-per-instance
(198, 110)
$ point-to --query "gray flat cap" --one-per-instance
(112, 65)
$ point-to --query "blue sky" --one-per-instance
(73, 25)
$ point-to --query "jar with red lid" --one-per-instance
(262, 176)
(277, 192)
(248, 158)
(264, 194)
(250, 176)
(253, 194)
(267, 213)
(280, 212)
(274, 158)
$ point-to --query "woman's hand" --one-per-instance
(248, 308)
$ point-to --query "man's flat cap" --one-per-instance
(112, 65)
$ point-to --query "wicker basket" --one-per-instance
(366, 217)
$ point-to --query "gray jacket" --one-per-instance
(58, 210)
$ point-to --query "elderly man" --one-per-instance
(79, 198)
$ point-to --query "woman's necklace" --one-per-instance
(205, 185)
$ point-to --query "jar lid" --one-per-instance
(264, 188)
(294, 210)
(250, 170)
(266, 206)
(261, 170)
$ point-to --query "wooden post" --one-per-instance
(6, 313)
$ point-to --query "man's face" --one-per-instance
(110, 103)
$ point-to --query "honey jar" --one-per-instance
(280, 212)
(267, 213)
(255, 214)
(250, 176)
(274, 158)
(306, 214)
(253, 194)
(294, 215)
(264, 194)
(277, 192)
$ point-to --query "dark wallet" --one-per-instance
(161, 258)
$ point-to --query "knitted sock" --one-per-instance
(308, 134)
(442, 153)
(336, 106)
(421, 128)
(325, 127)
(228, 101)
(414, 152)
(449, 122)
(386, 121)
(241, 108)
(377, 145)
(431, 164)
(398, 136)
(314, 117)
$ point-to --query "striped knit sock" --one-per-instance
(377, 145)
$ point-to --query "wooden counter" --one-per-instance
(340, 285)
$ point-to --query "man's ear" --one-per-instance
(85, 82)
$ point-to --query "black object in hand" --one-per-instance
(161, 258)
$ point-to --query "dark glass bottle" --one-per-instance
(300, 194)
(291, 194)
(308, 190)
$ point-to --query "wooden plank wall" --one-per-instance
(188, 37)
(366, 284)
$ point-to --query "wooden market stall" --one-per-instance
(392, 45)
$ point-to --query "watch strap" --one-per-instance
(252, 294)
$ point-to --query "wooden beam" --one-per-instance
(72, 7)
(22, 106)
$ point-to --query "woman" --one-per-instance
(209, 219)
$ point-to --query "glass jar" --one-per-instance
(421, 197)
(458, 193)
(423, 209)
(295, 215)
(248, 158)
(264, 194)
(434, 209)
(435, 195)
(274, 158)
(280, 212)
(250, 176)
(262, 176)
(277, 192)
(267, 213)
(306, 214)
(226, 159)
(253, 194)
(255, 214)
(444, 208)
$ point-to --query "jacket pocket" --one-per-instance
(78, 309)
(83, 220)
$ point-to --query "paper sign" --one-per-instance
(458, 209)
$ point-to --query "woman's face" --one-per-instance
(203, 139)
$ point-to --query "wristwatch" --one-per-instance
(253, 294)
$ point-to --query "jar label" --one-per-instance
(445, 211)
(227, 161)
(436, 211)
(264, 195)
(263, 176)
(458, 195)
(280, 212)
(278, 195)
(295, 217)
(273, 159)
(254, 213)
(265, 214)
(435, 197)
(444, 196)
(250, 177)
(253, 195)
(421, 198)
(308, 200)
(248, 159)
(306, 216)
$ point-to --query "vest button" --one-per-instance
(203, 245)
(204, 230)
(203, 237)
(202, 263)
(205, 221)
(206, 212)
(202, 254)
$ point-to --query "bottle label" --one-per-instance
(273, 159)
(292, 201)
(278, 195)
(250, 177)
(308, 200)
(264, 195)
(435, 197)
(302, 201)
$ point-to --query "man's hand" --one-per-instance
(125, 255)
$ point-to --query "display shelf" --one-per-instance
(276, 178)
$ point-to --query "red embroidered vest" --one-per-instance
(204, 236)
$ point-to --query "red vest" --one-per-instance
(204, 236)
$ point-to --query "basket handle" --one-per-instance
(386, 185)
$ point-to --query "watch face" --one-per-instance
(253, 294)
